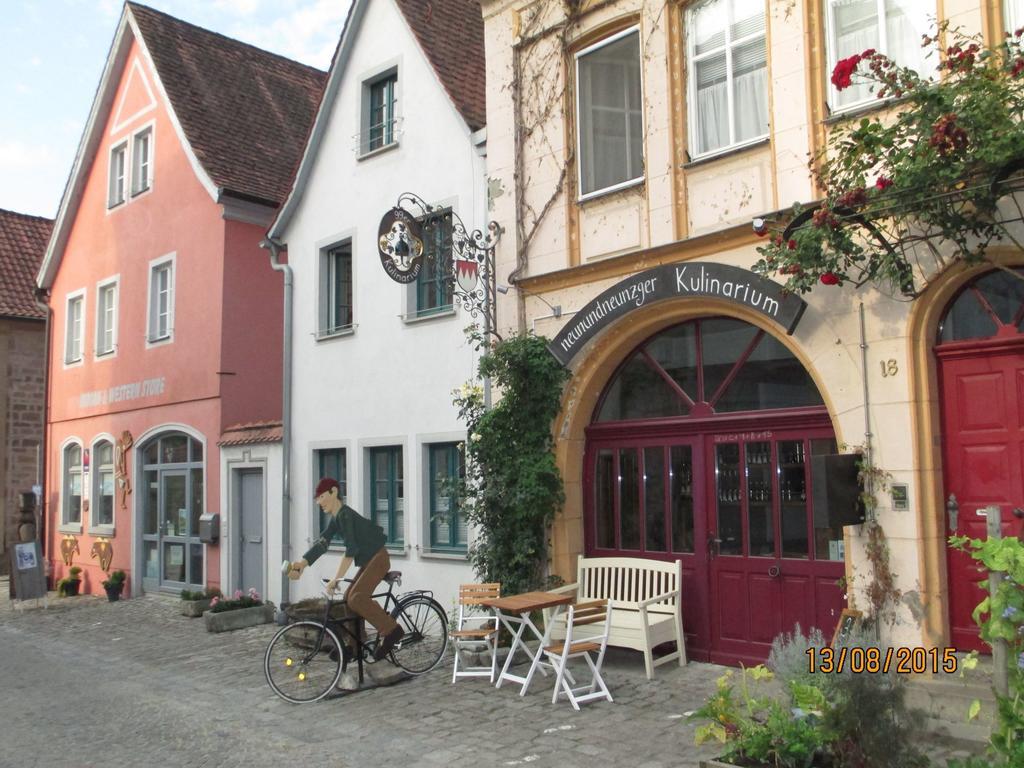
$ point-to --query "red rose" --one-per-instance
(791, 244)
(844, 70)
(830, 278)
(791, 269)
(883, 182)
(868, 53)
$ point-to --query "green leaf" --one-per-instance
(974, 710)
(708, 732)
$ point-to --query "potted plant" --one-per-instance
(195, 603)
(68, 586)
(240, 611)
(114, 585)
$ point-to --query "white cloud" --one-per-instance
(22, 88)
(35, 61)
(239, 7)
(308, 34)
(35, 176)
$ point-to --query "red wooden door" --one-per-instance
(770, 566)
(983, 457)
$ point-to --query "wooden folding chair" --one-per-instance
(475, 630)
(595, 615)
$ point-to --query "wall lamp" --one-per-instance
(556, 309)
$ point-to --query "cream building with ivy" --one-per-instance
(631, 147)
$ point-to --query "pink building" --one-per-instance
(166, 314)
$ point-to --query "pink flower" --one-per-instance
(883, 182)
(830, 278)
(844, 70)
(238, 594)
(214, 601)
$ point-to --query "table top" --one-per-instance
(528, 601)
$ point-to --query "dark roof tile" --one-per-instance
(451, 34)
(246, 112)
(23, 242)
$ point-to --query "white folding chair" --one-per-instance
(475, 630)
(595, 617)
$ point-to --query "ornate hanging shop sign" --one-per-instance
(674, 281)
(415, 235)
(400, 245)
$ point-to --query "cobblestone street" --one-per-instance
(146, 686)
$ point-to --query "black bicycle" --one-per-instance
(305, 659)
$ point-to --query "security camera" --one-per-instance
(760, 227)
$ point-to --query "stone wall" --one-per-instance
(22, 395)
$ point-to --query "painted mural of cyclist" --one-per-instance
(364, 546)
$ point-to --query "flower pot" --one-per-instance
(225, 621)
(71, 587)
(114, 592)
(194, 608)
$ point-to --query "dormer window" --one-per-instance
(142, 161)
(118, 167)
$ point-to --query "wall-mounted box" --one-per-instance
(209, 528)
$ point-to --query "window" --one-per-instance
(73, 331)
(336, 290)
(609, 114)
(118, 166)
(434, 283)
(106, 318)
(447, 526)
(72, 508)
(161, 301)
(330, 462)
(1013, 15)
(381, 113)
(892, 27)
(387, 494)
(728, 90)
(141, 161)
(103, 484)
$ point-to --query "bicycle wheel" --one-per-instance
(426, 634)
(303, 662)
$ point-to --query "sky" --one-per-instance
(52, 54)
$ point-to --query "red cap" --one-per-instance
(325, 485)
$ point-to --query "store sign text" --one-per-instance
(122, 392)
(673, 281)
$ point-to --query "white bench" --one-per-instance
(645, 600)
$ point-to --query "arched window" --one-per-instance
(989, 306)
(708, 366)
(103, 484)
(72, 507)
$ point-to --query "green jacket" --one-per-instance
(363, 538)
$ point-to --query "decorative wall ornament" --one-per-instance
(68, 549)
(121, 477)
(102, 549)
(400, 245)
(472, 276)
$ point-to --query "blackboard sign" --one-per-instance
(849, 622)
(27, 571)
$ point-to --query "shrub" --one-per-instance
(237, 601)
(116, 579)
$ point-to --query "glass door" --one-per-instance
(174, 527)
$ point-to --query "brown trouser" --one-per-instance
(359, 595)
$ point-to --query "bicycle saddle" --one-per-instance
(393, 577)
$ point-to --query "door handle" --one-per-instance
(774, 571)
(714, 546)
(1018, 512)
(256, 540)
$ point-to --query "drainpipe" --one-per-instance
(275, 249)
(42, 298)
(868, 480)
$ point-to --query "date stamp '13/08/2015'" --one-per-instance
(903, 661)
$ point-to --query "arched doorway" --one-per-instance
(699, 450)
(171, 470)
(980, 364)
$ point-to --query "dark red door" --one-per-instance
(771, 566)
(983, 457)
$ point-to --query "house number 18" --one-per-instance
(889, 367)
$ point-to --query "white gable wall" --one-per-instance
(390, 381)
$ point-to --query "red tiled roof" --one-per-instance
(451, 34)
(253, 432)
(23, 242)
(246, 112)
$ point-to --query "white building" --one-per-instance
(375, 361)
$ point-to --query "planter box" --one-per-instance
(194, 608)
(239, 619)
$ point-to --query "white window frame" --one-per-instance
(147, 132)
(1013, 15)
(96, 489)
(691, 82)
(635, 29)
(325, 288)
(152, 340)
(122, 187)
(67, 526)
(70, 360)
(832, 58)
(112, 283)
(386, 71)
